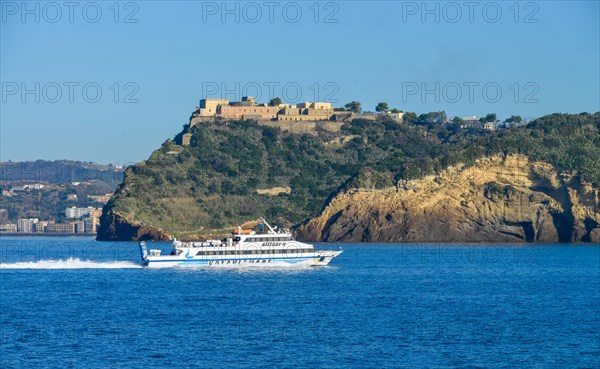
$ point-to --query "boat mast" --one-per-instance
(271, 229)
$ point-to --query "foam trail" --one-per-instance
(71, 263)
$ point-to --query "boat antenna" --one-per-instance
(264, 221)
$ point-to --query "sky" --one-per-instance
(109, 82)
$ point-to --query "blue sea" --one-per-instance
(77, 303)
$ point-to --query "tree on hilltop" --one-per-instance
(382, 107)
(458, 120)
(275, 102)
(353, 106)
(514, 119)
(491, 117)
(410, 117)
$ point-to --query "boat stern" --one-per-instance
(143, 252)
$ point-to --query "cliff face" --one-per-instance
(114, 227)
(508, 199)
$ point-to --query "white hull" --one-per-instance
(245, 249)
(264, 261)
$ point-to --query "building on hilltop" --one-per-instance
(208, 107)
(472, 121)
(307, 111)
(396, 116)
(490, 126)
(248, 108)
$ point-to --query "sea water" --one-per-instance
(77, 303)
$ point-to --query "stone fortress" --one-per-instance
(248, 108)
(314, 115)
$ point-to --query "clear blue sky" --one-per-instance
(546, 51)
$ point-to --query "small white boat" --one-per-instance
(266, 248)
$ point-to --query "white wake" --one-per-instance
(71, 263)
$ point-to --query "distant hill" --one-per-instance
(59, 171)
(236, 171)
(60, 184)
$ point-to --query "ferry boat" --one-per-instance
(263, 248)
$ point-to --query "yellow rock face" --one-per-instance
(274, 191)
(499, 199)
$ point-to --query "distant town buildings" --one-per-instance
(40, 227)
(8, 228)
(26, 225)
(90, 225)
(28, 187)
(62, 228)
(79, 226)
(102, 198)
(86, 225)
(75, 212)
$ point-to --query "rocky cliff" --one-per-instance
(115, 227)
(509, 199)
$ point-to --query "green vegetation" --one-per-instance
(353, 106)
(382, 107)
(496, 192)
(275, 102)
(212, 183)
